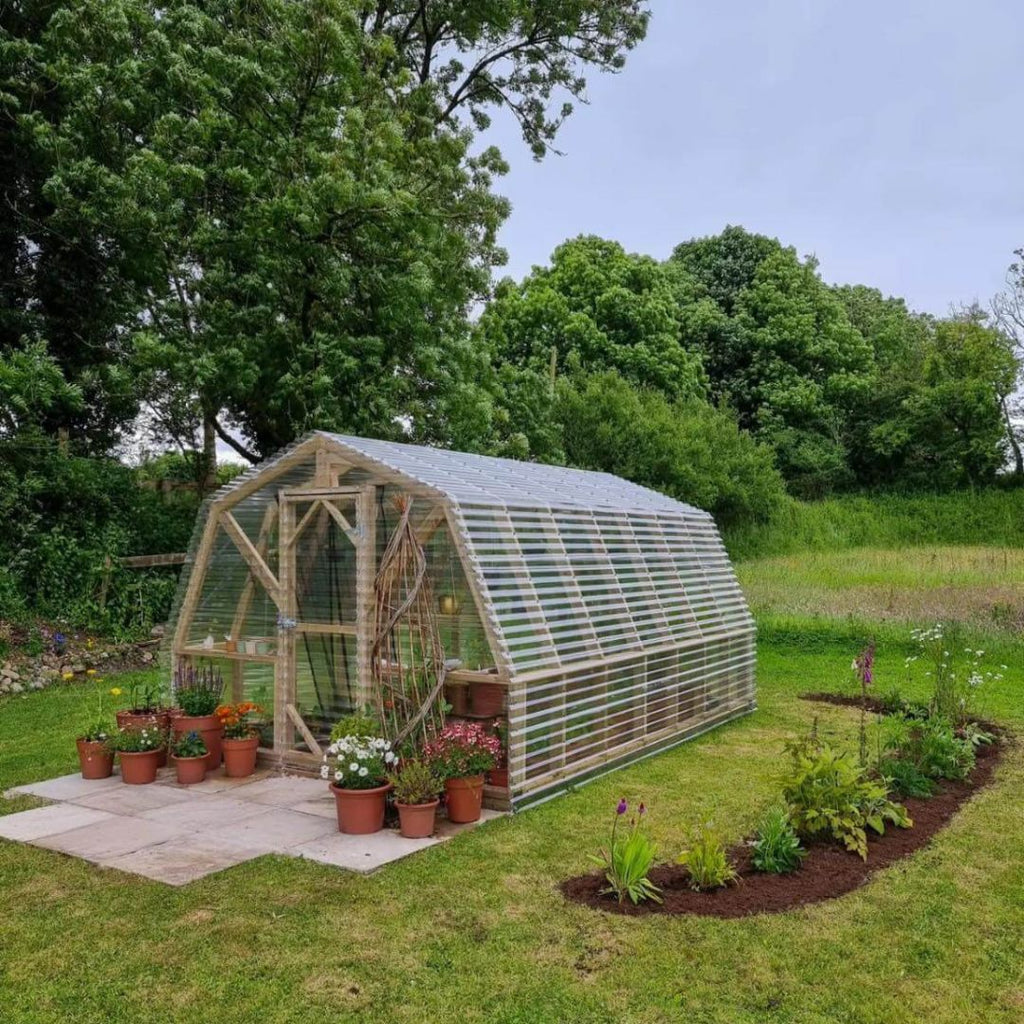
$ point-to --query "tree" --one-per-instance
(595, 308)
(1008, 311)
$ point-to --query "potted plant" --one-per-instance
(498, 775)
(357, 768)
(139, 753)
(461, 754)
(94, 756)
(416, 785)
(144, 710)
(241, 739)
(189, 756)
(197, 694)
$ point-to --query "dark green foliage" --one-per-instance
(197, 691)
(777, 848)
(903, 776)
(189, 744)
(628, 859)
(828, 792)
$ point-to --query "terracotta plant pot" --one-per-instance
(190, 769)
(488, 699)
(360, 811)
(240, 756)
(95, 760)
(457, 694)
(140, 768)
(416, 821)
(146, 720)
(209, 727)
(498, 777)
(465, 798)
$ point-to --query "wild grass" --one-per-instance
(992, 517)
(476, 930)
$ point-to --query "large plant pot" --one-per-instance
(457, 694)
(240, 756)
(209, 727)
(360, 811)
(190, 770)
(146, 720)
(488, 699)
(416, 821)
(498, 777)
(95, 759)
(465, 798)
(139, 769)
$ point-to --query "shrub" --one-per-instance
(707, 862)
(829, 792)
(937, 751)
(628, 860)
(903, 776)
(415, 782)
(777, 848)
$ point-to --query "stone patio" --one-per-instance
(176, 834)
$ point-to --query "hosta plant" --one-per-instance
(777, 848)
(358, 762)
(707, 862)
(829, 792)
(628, 858)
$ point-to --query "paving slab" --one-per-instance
(114, 837)
(182, 860)
(323, 807)
(67, 787)
(275, 830)
(215, 782)
(134, 799)
(28, 826)
(361, 853)
(206, 811)
(286, 791)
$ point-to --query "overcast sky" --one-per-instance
(884, 137)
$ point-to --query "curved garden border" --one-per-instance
(828, 870)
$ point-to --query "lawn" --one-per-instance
(476, 930)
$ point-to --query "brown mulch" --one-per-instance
(827, 871)
(843, 700)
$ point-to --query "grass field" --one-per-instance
(477, 931)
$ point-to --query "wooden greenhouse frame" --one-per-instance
(608, 614)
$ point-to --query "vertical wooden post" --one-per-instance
(284, 668)
(366, 605)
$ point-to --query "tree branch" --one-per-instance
(232, 443)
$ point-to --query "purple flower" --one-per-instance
(622, 808)
(641, 809)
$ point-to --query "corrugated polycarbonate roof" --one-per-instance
(484, 480)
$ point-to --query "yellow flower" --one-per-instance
(90, 671)
(115, 691)
(67, 675)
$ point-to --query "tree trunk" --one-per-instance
(1018, 456)
(207, 474)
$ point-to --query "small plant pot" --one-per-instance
(416, 821)
(139, 769)
(95, 760)
(190, 769)
(146, 720)
(498, 777)
(240, 756)
(465, 798)
(360, 811)
(488, 699)
(231, 646)
(209, 727)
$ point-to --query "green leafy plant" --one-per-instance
(707, 862)
(937, 751)
(198, 691)
(136, 741)
(415, 782)
(903, 776)
(628, 859)
(189, 744)
(98, 732)
(829, 792)
(357, 724)
(777, 848)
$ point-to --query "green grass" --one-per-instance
(476, 930)
(990, 517)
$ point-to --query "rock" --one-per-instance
(5, 687)
(37, 684)
(147, 656)
(157, 630)
(77, 668)
(16, 687)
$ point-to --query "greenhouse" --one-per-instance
(593, 621)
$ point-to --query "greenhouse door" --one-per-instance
(327, 549)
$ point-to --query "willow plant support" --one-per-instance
(407, 660)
